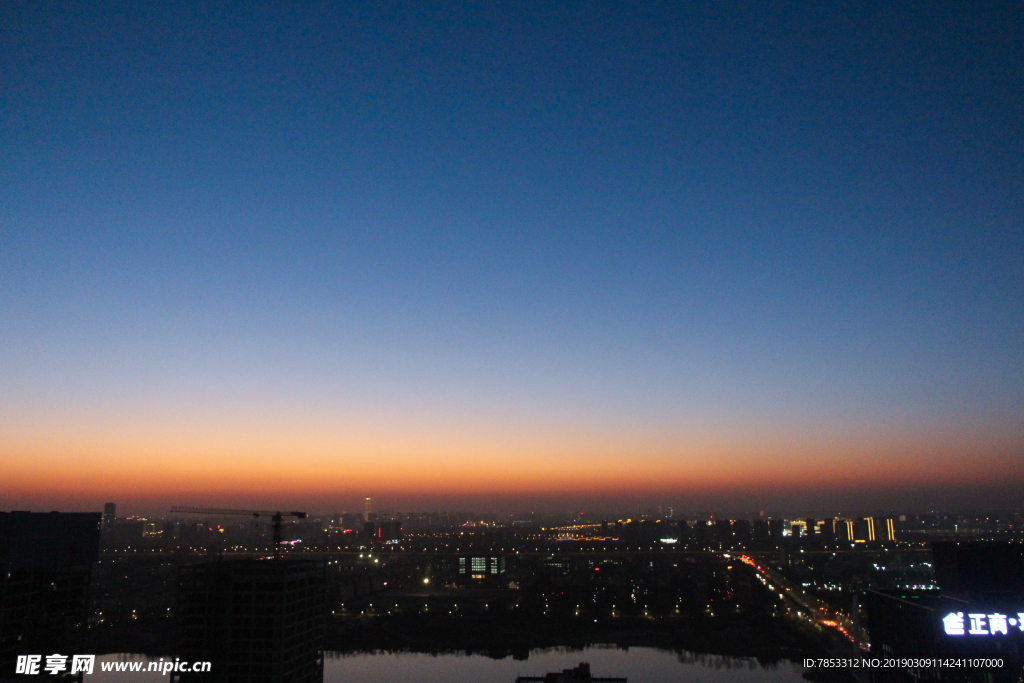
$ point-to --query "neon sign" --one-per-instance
(957, 624)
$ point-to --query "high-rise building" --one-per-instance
(45, 568)
(367, 509)
(882, 529)
(762, 537)
(109, 515)
(702, 534)
(723, 533)
(742, 536)
(260, 621)
(809, 527)
(864, 530)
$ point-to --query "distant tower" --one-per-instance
(109, 513)
(367, 509)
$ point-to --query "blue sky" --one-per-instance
(717, 216)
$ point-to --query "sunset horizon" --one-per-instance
(616, 259)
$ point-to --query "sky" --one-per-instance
(716, 255)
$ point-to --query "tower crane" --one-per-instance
(277, 518)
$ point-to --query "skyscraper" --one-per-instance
(367, 509)
(109, 515)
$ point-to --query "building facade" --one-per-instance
(46, 562)
(259, 621)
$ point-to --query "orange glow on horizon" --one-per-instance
(191, 459)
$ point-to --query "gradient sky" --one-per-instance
(701, 253)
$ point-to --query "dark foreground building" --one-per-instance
(977, 616)
(46, 564)
(258, 621)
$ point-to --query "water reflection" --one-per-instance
(638, 664)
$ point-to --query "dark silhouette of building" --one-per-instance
(109, 515)
(762, 537)
(581, 674)
(259, 621)
(45, 568)
(978, 612)
(723, 533)
(379, 532)
(128, 532)
(646, 532)
(702, 534)
(351, 520)
(810, 527)
(828, 530)
(682, 531)
(742, 536)
(310, 532)
(980, 570)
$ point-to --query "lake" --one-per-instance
(638, 664)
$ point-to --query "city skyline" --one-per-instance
(736, 256)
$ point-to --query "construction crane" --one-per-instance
(277, 518)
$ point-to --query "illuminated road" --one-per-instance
(807, 606)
